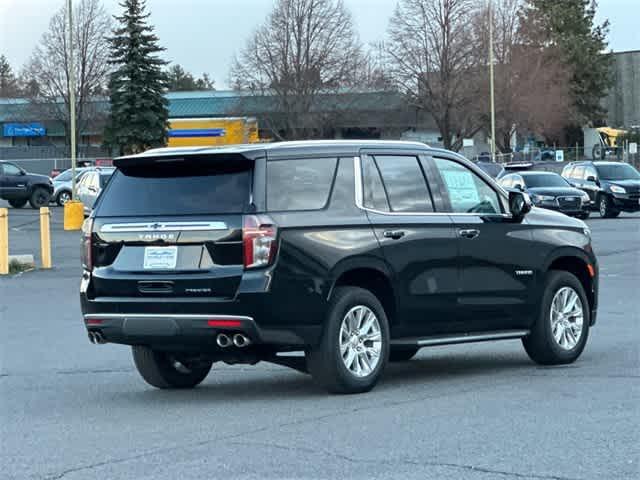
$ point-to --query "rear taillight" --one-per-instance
(259, 240)
(87, 254)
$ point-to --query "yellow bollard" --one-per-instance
(4, 241)
(45, 237)
(73, 215)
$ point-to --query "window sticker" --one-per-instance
(462, 188)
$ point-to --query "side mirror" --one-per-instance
(519, 186)
(23, 172)
(592, 179)
(519, 204)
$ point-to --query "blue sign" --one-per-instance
(24, 130)
(196, 132)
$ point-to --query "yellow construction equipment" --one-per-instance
(193, 132)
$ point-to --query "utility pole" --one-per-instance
(72, 101)
(493, 107)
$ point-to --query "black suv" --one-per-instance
(19, 187)
(352, 252)
(613, 187)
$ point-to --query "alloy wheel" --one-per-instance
(566, 318)
(64, 197)
(360, 341)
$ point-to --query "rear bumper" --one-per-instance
(188, 330)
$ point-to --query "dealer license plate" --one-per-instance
(160, 258)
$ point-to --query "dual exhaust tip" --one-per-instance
(239, 340)
(96, 338)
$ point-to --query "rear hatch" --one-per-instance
(172, 228)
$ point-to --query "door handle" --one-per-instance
(395, 234)
(469, 233)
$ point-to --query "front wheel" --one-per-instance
(562, 327)
(39, 198)
(63, 197)
(166, 370)
(354, 348)
(606, 208)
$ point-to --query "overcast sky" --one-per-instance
(202, 35)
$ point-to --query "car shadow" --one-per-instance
(282, 383)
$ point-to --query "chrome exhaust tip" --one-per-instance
(223, 340)
(240, 340)
(99, 338)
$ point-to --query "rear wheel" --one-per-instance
(39, 198)
(561, 330)
(17, 203)
(167, 370)
(606, 208)
(402, 354)
(354, 348)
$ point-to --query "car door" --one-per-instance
(14, 181)
(82, 190)
(418, 244)
(494, 252)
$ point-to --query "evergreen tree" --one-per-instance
(139, 113)
(569, 25)
(181, 80)
(8, 82)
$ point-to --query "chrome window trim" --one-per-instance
(162, 227)
(359, 195)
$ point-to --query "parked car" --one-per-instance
(90, 184)
(353, 252)
(493, 169)
(514, 167)
(613, 187)
(19, 187)
(62, 185)
(549, 190)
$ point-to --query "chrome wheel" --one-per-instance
(64, 197)
(566, 318)
(603, 207)
(360, 341)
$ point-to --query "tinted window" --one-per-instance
(578, 172)
(10, 169)
(620, 171)
(545, 180)
(567, 171)
(104, 178)
(299, 184)
(374, 195)
(468, 193)
(64, 176)
(177, 190)
(404, 183)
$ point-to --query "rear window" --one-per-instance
(177, 190)
(299, 184)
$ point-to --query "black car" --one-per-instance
(19, 187)
(613, 187)
(549, 190)
(352, 252)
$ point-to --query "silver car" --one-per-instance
(90, 184)
(62, 185)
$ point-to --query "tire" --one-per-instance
(17, 203)
(402, 354)
(605, 207)
(63, 197)
(158, 369)
(541, 344)
(325, 360)
(40, 197)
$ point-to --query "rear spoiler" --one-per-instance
(517, 165)
(188, 160)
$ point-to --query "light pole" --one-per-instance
(72, 101)
(493, 107)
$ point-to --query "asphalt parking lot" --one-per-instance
(72, 410)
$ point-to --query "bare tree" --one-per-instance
(48, 67)
(305, 49)
(531, 83)
(435, 60)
